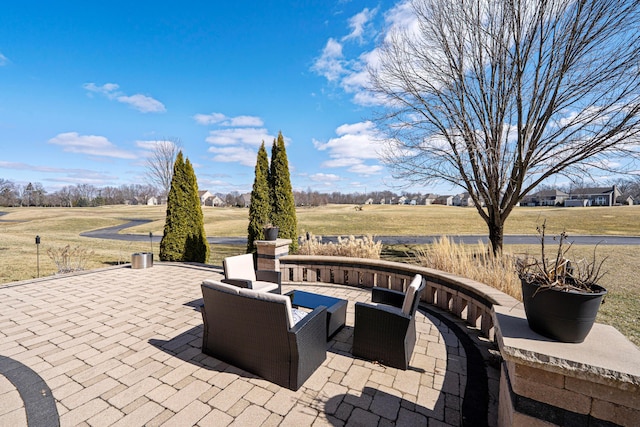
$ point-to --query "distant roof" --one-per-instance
(592, 190)
(550, 193)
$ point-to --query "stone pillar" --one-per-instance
(270, 251)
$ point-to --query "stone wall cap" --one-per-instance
(606, 356)
(277, 242)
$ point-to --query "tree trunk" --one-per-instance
(496, 232)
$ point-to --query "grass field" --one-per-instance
(58, 227)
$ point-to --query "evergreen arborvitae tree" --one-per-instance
(260, 208)
(283, 207)
(196, 247)
(184, 238)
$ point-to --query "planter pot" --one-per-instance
(561, 315)
(142, 260)
(271, 233)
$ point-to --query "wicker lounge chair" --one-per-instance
(386, 330)
(257, 332)
(240, 271)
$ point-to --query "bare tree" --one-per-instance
(497, 96)
(160, 163)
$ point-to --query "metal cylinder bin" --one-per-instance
(142, 260)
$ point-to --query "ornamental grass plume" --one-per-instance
(361, 247)
(475, 262)
(69, 258)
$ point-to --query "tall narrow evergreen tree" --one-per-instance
(196, 247)
(260, 208)
(184, 238)
(283, 207)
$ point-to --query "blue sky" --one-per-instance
(86, 87)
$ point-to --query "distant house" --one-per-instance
(217, 201)
(444, 200)
(429, 199)
(545, 198)
(463, 199)
(152, 201)
(625, 199)
(369, 201)
(402, 200)
(382, 201)
(204, 196)
(413, 201)
(595, 196)
(246, 199)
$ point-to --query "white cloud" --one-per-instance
(234, 154)
(142, 103)
(3, 60)
(351, 73)
(358, 24)
(222, 120)
(355, 144)
(249, 136)
(108, 89)
(364, 169)
(93, 145)
(324, 177)
(151, 145)
(330, 64)
(357, 141)
(209, 119)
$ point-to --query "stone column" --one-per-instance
(270, 251)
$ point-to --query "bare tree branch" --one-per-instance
(159, 165)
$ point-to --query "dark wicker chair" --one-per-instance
(239, 271)
(386, 331)
(251, 330)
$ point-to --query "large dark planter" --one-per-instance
(561, 315)
(271, 233)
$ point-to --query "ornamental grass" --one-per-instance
(475, 262)
(358, 247)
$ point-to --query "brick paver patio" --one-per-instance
(121, 347)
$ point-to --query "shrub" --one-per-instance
(475, 262)
(69, 258)
(364, 247)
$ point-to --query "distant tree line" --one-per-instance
(81, 195)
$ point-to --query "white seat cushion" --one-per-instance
(261, 286)
(265, 296)
(239, 267)
(411, 294)
(223, 287)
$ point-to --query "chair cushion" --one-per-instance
(411, 294)
(298, 315)
(239, 267)
(261, 286)
(265, 296)
(222, 287)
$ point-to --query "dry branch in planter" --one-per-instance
(561, 272)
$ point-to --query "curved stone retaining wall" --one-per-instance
(542, 382)
(466, 299)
